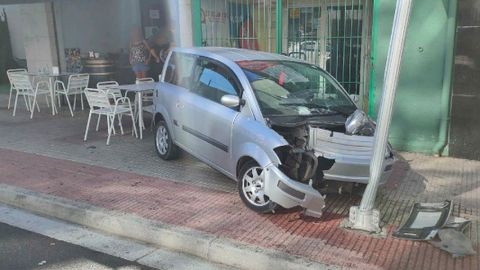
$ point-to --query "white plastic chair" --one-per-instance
(99, 102)
(12, 88)
(22, 84)
(147, 98)
(76, 84)
(112, 88)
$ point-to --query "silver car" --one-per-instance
(277, 125)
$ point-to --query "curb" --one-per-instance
(203, 245)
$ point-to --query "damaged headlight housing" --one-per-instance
(358, 123)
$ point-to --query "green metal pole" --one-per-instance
(447, 81)
(373, 57)
(197, 22)
(279, 26)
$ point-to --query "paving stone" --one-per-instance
(47, 154)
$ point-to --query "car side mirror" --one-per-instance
(230, 101)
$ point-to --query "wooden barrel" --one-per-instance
(99, 70)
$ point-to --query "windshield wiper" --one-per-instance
(306, 104)
(314, 106)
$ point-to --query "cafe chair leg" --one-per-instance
(59, 101)
(33, 105)
(74, 101)
(120, 123)
(36, 103)
(133, 124)
(27, 102)
(15, 104)
(10, 97)
(110, 125)
(88, 124)
(98, 122)
(69, 106)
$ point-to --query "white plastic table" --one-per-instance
(51, 80)
(138, 89)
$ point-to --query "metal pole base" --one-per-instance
(368, 220)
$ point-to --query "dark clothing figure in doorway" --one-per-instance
(160, 44)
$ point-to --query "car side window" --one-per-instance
(213, 80)
(179, 69)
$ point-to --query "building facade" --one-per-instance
(435, 110)
(350, 40)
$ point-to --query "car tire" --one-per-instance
(251, 187)
(164, 145)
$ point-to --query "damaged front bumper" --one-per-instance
(352, 155)
(357, 170)
(289, 193)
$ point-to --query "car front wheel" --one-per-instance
(164, 145)
(251, 188)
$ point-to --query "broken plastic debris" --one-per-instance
(458, 223)
(454, 242)
(432, 221)
(424, 221)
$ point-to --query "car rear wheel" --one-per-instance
(251, 187)
(164, 145)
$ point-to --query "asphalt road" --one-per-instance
(20, 249)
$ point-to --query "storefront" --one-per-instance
(348, 38)
(332, 34)
(86, 36)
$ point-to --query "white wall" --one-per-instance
(32, 34)
(181, 22)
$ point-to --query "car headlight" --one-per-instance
(358, 123)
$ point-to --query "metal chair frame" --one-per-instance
(23, 86)
(12, 88)
(75, 86)
(99, 102)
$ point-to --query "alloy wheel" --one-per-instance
(253, 187)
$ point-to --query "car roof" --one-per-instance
(236, 54)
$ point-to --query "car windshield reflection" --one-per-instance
(289, 88)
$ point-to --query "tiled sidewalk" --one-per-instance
(47, 155)
(222, 213)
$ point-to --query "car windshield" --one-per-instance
(289, 88)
